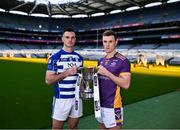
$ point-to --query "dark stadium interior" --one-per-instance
(83, 6)
(148, 25)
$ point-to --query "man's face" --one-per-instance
(109, 43)
(69, 39)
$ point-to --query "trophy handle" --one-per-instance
(97, 106)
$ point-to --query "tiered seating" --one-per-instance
(171, 46)
(124, 46)
(4, 47)
(17, 46)
(145, 46)
(32, 46)
(146, 15)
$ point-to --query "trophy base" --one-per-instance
(86, 95)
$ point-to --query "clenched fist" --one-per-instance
(103, 71)
(71, 71)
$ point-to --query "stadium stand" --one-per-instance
(147, 30)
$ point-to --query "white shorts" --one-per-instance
(64, 108)
(111, 117)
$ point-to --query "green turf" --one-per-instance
(25, 100)
(24, 96)
(161, 112)
(145, 86)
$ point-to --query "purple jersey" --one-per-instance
(110, 96)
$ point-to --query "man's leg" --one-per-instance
(73, 122)
(102, 126)
(115, 128)
(56, 125)
(112, 119)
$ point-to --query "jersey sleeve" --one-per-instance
(51, 64)
(99, 61)
(125, 67)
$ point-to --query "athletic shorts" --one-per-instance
(111, 117)
(64, 108)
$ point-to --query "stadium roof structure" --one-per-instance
(70, 7)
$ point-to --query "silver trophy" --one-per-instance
(87, 86)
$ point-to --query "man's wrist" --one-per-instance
(63, 75)
(110, 75)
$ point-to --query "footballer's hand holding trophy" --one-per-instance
(88, 86)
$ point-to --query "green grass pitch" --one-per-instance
(25, 99)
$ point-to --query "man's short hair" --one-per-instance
(70, 29)
(110, 33)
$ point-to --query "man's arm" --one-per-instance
(123, 80)
(52, 77)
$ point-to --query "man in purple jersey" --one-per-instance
(114, 74)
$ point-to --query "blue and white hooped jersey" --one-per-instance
(60, 62)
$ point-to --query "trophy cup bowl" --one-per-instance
(87, 79)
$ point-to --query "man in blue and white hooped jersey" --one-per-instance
(62, 72)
